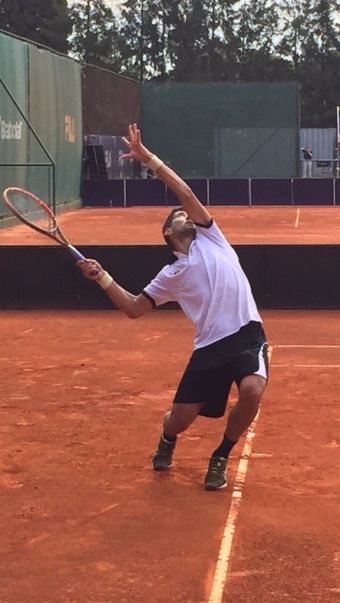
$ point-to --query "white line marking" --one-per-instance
(223, 560)
(297, 219)
(308, 346)
(305, 365)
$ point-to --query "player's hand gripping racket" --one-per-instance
(33, 212)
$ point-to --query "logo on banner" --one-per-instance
(70, 129)
(10, 130)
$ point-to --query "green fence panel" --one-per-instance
(55, 112)
(223, 129)
(255, 152)
(13, 130)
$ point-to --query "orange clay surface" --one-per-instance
(84, 519)
(142, 225)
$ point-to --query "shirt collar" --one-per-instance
(179, 254)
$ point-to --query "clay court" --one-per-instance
(86, 520)
(142, 225)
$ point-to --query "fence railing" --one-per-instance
(320, 168)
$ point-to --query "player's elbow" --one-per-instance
(134, 311)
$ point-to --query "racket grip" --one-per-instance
(75, 253)
(79, 256)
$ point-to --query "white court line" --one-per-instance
(297, 219)
(223, 560)
(305, 365)
(308, 346)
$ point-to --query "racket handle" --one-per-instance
(75, 253)
(79, 256)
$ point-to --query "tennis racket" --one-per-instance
(33, 212)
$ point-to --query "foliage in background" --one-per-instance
(45, 21)
(95, 34)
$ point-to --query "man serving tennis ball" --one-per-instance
(210, 286)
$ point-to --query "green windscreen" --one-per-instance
(56, 115)
(13, 130)
(223, 130)
(40, 121)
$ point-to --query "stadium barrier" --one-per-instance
(257, 191)
(281, 276)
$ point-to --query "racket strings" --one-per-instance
(31, 210)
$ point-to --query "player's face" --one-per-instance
(182, 224)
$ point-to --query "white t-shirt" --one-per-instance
(209, 285)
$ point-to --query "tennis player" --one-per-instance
(210, 286)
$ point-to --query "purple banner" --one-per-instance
(271, 192)
(145, 192)
(229, 192)
(313, 191)
(102, 193)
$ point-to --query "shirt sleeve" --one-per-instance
(160, 289)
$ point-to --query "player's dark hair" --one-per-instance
(167, 224)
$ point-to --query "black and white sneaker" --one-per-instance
(216, 477)
(162, 460)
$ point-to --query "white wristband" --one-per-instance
(105, 281)
(154, 163)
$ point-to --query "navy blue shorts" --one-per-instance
(212, 370)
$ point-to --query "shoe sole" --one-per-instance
(162, 468)
(211, 488)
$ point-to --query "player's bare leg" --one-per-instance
(243, 413)
(176, 420)
(240, 417)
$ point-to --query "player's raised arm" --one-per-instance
(190, 203)
(132, 305)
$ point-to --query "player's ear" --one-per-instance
(167, 231)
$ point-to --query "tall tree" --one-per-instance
(257, 32)
(321, 65)
(200, 42)
(181, 40)
(310, 39)
(95, 34)
(295, 20)
(323, 35)
(44, 21)
(189, 40)
(143, 38)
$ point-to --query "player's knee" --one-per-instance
(252, 389)
(179, 419)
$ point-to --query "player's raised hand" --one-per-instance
(136, 148)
